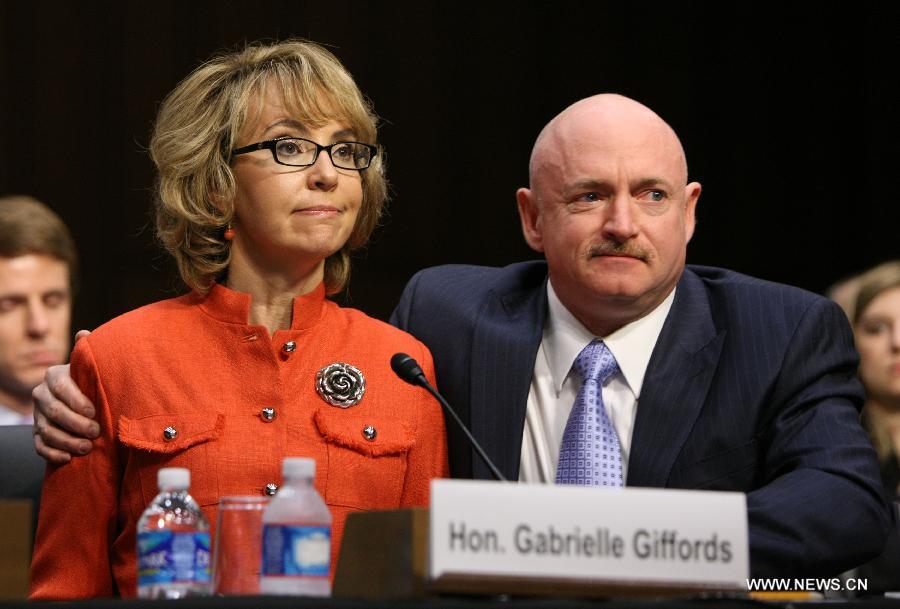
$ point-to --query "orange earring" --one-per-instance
(229, 233)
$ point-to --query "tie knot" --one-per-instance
(596, 362)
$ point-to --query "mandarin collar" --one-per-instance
(225, 304)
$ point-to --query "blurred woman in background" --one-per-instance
(876, 326)
(874, 311)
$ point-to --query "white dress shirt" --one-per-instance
(8, 416)
(554, 385)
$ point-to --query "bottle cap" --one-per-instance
(298, 467)
(178, 478)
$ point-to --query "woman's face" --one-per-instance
(878, 341)
(291, 217)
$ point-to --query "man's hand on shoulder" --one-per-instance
(63, 417)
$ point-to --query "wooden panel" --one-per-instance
(15, 547)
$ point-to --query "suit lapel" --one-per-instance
(504, 347)
(678, 376)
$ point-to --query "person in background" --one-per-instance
(37, 269)
(876, 326)
(874, 309)
(269, 176)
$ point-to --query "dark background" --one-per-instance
(788, 114)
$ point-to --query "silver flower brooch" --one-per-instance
(340, 384)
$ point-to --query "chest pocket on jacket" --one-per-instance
(364, 471)
(153, 445)
(734, 469)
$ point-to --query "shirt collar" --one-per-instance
(8, 416)
(233, 307)
(631, 345)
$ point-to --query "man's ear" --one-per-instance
(530, 216)
(691, 194)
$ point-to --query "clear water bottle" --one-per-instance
(173, 541)
(296, 536)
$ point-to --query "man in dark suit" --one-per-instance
(726, 382)
(721, 381)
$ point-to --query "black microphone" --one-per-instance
(409, 370)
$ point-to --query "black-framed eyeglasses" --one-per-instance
(299, 152)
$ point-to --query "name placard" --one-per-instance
(588, 534)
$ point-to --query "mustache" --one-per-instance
(613, 248)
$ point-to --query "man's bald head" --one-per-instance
(607, 117)
(610, 208)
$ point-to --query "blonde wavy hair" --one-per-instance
(198, 125)
(874, 282)
(870, 285)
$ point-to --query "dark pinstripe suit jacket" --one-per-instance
(751, 387)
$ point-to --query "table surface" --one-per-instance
(461, 602)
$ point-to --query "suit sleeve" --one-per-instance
(427, 459)
(77, 524)
(822, 510)
(403, 313)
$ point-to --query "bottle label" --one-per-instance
(296, 550)
(168, 556)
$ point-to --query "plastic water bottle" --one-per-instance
(173, 541)
(296, 553)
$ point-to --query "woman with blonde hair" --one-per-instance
(876, 326)
(269, 176)
(874, 311)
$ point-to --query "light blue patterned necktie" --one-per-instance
(590, 453)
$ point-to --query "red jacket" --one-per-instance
(193, 363)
